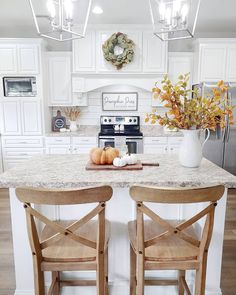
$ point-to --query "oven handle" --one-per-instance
(134, 139)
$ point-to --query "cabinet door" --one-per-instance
(59, 80)
(180, 64)
(212, 62)
(58, 150)
(11, 117)
(31, 117)
(154, 54)
(28, 59)
(84, 53)
(8, 59)
(82, 149)
(231, 64)
(105, 66)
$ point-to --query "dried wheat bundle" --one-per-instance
(72, 113)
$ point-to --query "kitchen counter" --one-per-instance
(154, 130)
(42, 171)
(66, 171)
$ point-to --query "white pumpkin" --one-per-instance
(131, 159)
(119, 162)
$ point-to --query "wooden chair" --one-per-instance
(68, 245)
(158, 244)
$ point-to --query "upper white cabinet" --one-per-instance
(8, 59)
(21, 117)
(154, 54)
(150, 53)
(19, 58)
(28, 59)
(215, 60)
(180, 63)
(84, 53)
(59, 73)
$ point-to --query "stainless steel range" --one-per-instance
(121, 130)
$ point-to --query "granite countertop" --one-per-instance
(66, 171)
(92, 130)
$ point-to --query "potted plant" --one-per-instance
(72, 113)
(191, 113)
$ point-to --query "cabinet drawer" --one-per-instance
(20, 153)
(158, 149)
(15, 142)
(84, 141)
(155, 140)
(175, 140)
(57, 141)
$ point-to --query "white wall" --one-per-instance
(91, 114)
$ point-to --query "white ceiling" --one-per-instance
(217, 18)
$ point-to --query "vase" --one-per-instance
(73, 126)
(190, 152)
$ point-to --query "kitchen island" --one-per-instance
(66, 171)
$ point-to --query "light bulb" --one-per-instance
(162, 10)
(168, 16)
(68, 6)
(51, 8)
(184, 12)
(176, 8)
(97, 10)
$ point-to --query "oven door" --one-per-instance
(19, 86)
(135, 145)
(106, 141)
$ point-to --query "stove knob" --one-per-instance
(109, 120)
(130, 120)
(135, 120)
(105, 120)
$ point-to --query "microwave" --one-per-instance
(19, 86)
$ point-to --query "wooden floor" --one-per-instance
(7, 282)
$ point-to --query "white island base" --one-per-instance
(120, 209)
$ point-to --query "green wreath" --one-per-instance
(118, 50)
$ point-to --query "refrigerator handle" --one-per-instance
(228, 126)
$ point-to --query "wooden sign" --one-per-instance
(123, 101)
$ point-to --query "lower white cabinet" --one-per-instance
(162, 145)
(16, 149)
(21, 116)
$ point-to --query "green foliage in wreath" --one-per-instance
(125, 47)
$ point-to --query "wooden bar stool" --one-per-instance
(158, 244)
(68, 245)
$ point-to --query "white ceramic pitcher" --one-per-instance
(190, 153)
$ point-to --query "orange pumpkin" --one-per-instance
(103, 156)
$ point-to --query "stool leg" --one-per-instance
(181, 288)
(106, 273)
(38, 277)
(132, 271)
(200, 281)
(140, 274)
(101, 274)
(56, 275)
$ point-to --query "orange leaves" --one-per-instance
(185, 112)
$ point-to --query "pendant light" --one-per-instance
(61, 20)
(174, 19)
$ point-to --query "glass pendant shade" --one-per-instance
(61, 20)
(174, 19)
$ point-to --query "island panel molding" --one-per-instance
(119, 101)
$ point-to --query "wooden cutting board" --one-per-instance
(91, 166)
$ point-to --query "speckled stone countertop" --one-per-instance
(66, 171)
(92, 130)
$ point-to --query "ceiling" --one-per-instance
(217, 18)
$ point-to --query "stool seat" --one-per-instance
(68, 250)
(168, 248)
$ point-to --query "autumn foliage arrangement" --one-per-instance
(188, 110)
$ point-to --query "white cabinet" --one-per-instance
(19, 59)
(11, 117)
(31, 117)
(180, 63)
(154, 54)
(162, 145)
(21, 117)
(58, 150)
(231, 64)
(8, 59)
(105, 66)
(28, 59)
(59, 73)
(84, 53)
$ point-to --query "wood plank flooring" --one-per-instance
(7, 281)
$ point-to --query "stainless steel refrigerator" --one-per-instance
(221, 145)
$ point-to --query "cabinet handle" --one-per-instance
(22, 154)
(23, 142)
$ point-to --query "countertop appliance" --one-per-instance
(19, 86)
(221, 145)
(117, 131)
